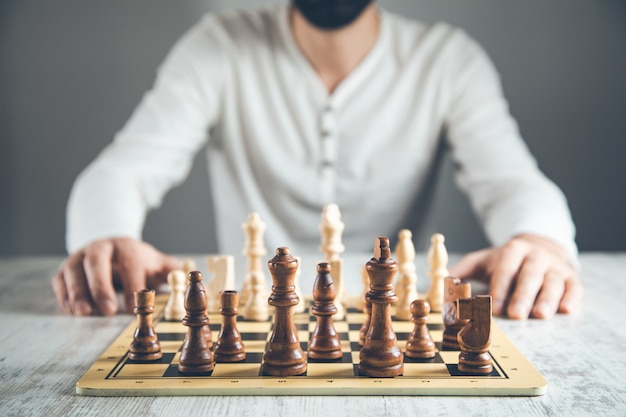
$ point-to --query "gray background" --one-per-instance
(71, 72)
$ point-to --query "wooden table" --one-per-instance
(44, 353)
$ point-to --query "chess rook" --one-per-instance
(420, 344)
(380, 355)
(229, 347)
(453, 289)
(283, 355)
(475, 337)
(196, 357)
(145, 345)
(325, 343)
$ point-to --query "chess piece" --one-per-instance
(365, 279)
(256, 308)
(195, 356)
(324, 343)
(438, 262)
(175, 307)
(254, 250)
(420, 344)
(406, 287)
(229, 347)
(188, 266)
(475, 337)
(331, 230)
(223, 269)
(380, 355)
(453, 289)
(283, 355)
(367, 306)
(145, 345)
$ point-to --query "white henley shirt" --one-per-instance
(281, 145)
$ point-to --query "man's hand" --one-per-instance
(85, 283)
(529, 276)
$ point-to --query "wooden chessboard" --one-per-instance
(114, 374)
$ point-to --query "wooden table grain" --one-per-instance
(44, 352)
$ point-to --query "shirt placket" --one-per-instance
(328, 153)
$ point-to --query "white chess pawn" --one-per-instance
(175, 307)
(438, 262)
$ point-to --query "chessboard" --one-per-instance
(114, 374)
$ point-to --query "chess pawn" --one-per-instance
(195, 356)
(256, 308)
(175, 308)
(283, 355)
(454, 289)
(406, 287)
(145, 345)
(229, 347)
(380, 355)
(438, 261)
(475, 337)
(420, 344)
(324, 343)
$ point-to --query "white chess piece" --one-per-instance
(331, 230)
(301, 306)
(254, 249)
(223, 269)
(175, 307)
(256, 308)
(438, 262)
(406, 286)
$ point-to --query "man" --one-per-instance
(313, 103)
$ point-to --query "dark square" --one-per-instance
(354, 326)
(172, 372)
(436, 359)
(355, 347)
(167, 358)
(345, 358)
(171, 336)
(253, 336)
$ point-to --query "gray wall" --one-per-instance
(72, 71)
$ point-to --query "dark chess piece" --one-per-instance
(475, 338)
(380, 355)
(145, 345)
(283, 355)
(195, 357)
(453, 289)
(229, 347)
(420, 344)
(324, 343)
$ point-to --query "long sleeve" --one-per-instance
(155, 149)
(494, 167)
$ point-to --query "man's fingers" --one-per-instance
(573, 296)
(131, 271)
(550, 295)
(98, 270)
(471, 265)
(60, 292)
(76, 286)
(529, 280)
(504, 269)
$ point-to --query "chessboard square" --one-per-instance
(165, 358)
(426, 370)
(165, 337)
(435, 326)
(346, 346)
(341, 327)
(403, 326)
(303, 336)
(240, 370)
(138, 371)
(449, 356)
(355, 347)
(330, 370)
(253, 336)
(176, 358)
(251, 346)
(215, 326)
(436, 359)
(356, 356)
(354, 326)
(169, 346)
(345, 358)
(254, 326)
(169, 327)
(436, 335)
(402, 336)
(302, 326)
(252, 357)
(354, 335)
(453, 369)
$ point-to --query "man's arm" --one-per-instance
(532, 269)
(153, 153)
